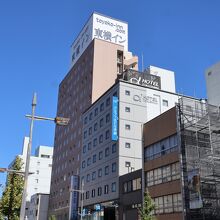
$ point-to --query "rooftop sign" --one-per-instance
(100, 27)
(142, 78)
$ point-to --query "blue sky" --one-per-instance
(35, 39)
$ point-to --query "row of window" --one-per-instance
(160, 148)
(95, 113)
(168, 204)
(99, 191)
(100, 156)
(95, 141)
(99, 173)
(163, 174)
(132, 185)
(95, 127)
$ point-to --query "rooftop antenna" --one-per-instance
(142, 61)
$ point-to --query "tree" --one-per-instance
(12, 195)
(147, 209)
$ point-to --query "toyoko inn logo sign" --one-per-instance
(100, 27)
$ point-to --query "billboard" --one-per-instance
(195, 199)
(114, 118)
(100, 27)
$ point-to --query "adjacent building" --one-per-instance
(39, 169)
(181, 161)
(98, 54)
(38, 209)
(112, 133)
(212, 75)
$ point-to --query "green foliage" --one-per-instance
(52, 217)
(12, 195)
(145, 212)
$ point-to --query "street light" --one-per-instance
(3, 170)
(58, 121)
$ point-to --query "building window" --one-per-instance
(88, 177)
(93, 175)
(89, 161)
(90, 130)
(113, 167)
(132, 185)
(94, 158)
(101, 107)
(93, 193)
(106, 189)
(37, 171)
(113, 148)
(127, 164)
(100, 138)
(100, 172)
(127, 92)
(85, 135)
(127, 127)
(87, 194)
(96, 111)
(89, 146)
(101, 123)
(165, 103)
(127, 109)
(106, 170)
(95, 127)
(114, 187)
(107, 118)
(108, 101)
(100, 155)
(107, 134)
(107, 152)
(127, 145)
(83, 164)
(94, 142)
(99, 191)
(84, 149)
(85, 120)
(90, 116)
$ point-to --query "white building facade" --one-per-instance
(212, 75)
(112, 131)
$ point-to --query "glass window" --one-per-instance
(87, 194)
(89, 146)
(101, 123)
(88, 177)
(106, 170)
(96, 111)
(94, 142)
(85, 134)
(99, 191)
(107, 152)
(83, 164)
(102, 107)
(127, 109)
(114, 187)
(127, 92)
(113, 148)
(107, 134)
(100, 138)
(128, 145)
(127, 127)
(93, 175)
(93, 193)
(113, 167)
(100, 172)
(85, 120)
(100, 155)
(125, 187)
(106, 189)
(95, 127)
(108, 101)
(94, 158)
(84, 149)
(88, 161)
(165, 103)
(90, 116)
(107, 118)
(129, 186)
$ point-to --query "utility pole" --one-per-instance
(27, 165)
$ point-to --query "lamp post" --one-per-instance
(58, 121)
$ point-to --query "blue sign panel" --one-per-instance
(114, 118)
(74, 197)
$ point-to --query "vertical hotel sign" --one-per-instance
(114, 118)
(103, 28)
(73, 212)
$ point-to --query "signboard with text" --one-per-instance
(114, 118)
(100, 27)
